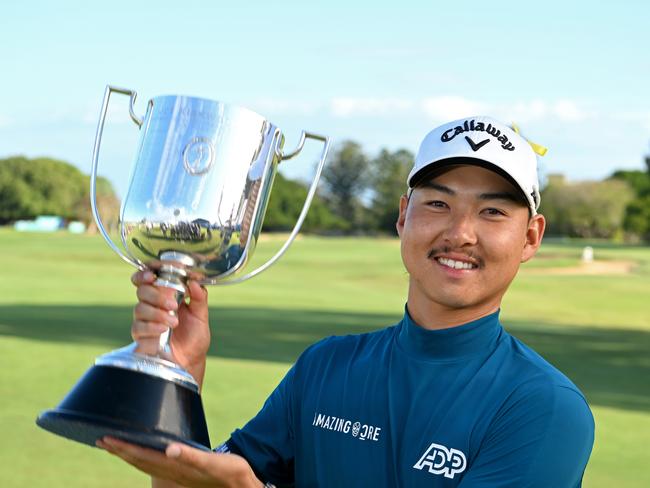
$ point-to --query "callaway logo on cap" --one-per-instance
(490, 143)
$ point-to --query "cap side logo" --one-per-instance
(475, 147)
(473, 126)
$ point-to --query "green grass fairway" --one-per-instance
(65, 299)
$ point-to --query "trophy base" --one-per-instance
(129, 405)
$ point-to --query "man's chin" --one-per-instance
(458, 304)
(455, 302)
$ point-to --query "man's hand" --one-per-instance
(153, 315)
(185, 465)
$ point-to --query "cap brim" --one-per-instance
(434, 168)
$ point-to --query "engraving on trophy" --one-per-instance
(198, 156)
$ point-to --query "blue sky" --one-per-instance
(573, 75)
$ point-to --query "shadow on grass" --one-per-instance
(610, 365)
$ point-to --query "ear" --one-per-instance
(534, 234)
(403, 204)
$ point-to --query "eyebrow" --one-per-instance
(499, 195)
(436, 186)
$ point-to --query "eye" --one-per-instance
(436, 204)
(493, 212)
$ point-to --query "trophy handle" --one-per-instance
(305, 208)
(93, 173)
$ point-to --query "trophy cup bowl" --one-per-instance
(199, 188)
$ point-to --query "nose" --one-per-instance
(460, 231)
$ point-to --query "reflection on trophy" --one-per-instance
(199, 188)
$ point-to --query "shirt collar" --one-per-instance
(457, 342)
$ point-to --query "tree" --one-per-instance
(587, 208)
(286, 202)
(637, 218)
(45, 186)
(638, 180)
(344, 182)
(555, 198)
(29, 188)
(389, 173)
(637, 213)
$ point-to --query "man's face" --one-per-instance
(463, 235)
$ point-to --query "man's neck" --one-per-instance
(431, 315)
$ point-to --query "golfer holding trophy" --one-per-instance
(444, 398)
(199, 189)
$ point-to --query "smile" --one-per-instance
(452, 263)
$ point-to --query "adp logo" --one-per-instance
(441, 460)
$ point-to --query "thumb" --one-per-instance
(186, 455)
(198, 296)
(173, 451)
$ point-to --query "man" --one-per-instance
(445, 398)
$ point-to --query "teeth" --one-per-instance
(451, 263)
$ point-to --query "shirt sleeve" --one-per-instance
(267, 440)
(544, 439)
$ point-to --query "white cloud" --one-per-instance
(5, 121)
(351, 107)
(451, 107)
(532, 110)
(522, 111)
(569, 111)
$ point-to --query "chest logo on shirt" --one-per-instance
(361, 431)
(441, 460)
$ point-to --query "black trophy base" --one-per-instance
(129, 405)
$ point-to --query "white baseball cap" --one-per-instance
(490, 144)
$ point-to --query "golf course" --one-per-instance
(65, 299)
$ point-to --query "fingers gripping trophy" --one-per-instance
(200, 184)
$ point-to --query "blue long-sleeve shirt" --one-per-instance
(469, 406)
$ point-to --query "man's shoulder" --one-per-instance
(541, 386)
(536, 369)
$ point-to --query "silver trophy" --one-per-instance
(199, 188)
